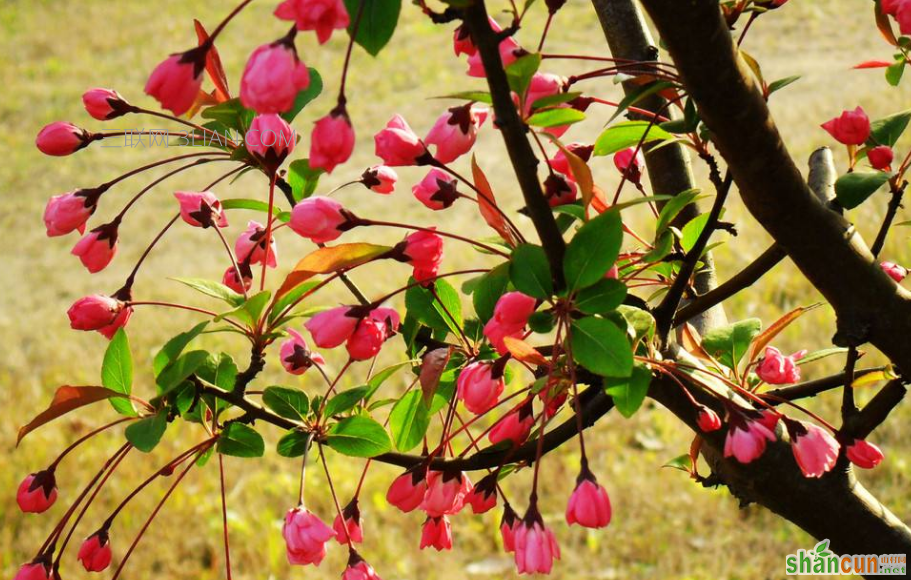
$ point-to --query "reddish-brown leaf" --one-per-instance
(765, 337)
(522, 351)
(432, 366)
(330, 259)
(487, 203)
(873, 64)
(66, 399)
(214, 68)
(884, 25)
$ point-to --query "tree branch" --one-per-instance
(812, 388)
(877, 410)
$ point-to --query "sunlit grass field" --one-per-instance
(664, 526)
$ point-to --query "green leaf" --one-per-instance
(728, 344)
(117, 372)
(422, 304)
(293, 444)
(345, 401)
(290, 297)
(529, 271)
(629, 393)
(852, 189)
(178, 371)
(250, 310)
(520, 72)
(553, 100)
(490, 287)
(820, 354)
(673, 207)
(637, 93)
(640, 321)
(476, 96)
(287, 402)
(172, 349)
(408, 421)
(894, 72)
(377, 24)
(145, 434)
(359, 437)
(239, 440)
(628, 134)
(601, 347)
(692, 230)
(204, 458)
(541, 322)
(213, 289)
(682, 462)
(219, 370)
(303, 179)
(305, 96)
(663, 246)
(377, 380)
(593, 250)
(606, 295)
(782, 83)
(231, 114)
(254, 205)
(886, 131)
(558, 117)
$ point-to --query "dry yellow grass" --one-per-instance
(664, 526)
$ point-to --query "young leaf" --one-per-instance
(601, 347)
(330, 259)
(293, 444)
(67, 398)
(290, 298)
(490, 287)
(239, 440)
(522, 351)
(674, 207)
(219, 370)
(117, 372)
(886, 131)
(766, 336)
(286, 402)
(593, 250)
(408, 421)
(520, 72)
(852, 189)
(172, 349)
(377, 22)
(558, 117)
(359, 437)
(628, 134)
(305, 96)
(449, 305)
(303, 179)
(606, 295)
(146, 433)
(345, 401)
(628, 394)
(728, 344)
(253, 205)
(178, 371)
(529, 271)
(487, 203)
(213, 289)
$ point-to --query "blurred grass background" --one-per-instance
(664, 526)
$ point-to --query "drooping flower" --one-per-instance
(483, 497)
(319, 219)
(59, 139)
(815, 450)
(380, 179)
(446, 492)
(560, 163)
(70, 211)
(94, 312)
(250, 246)
(305, 537)
(461, 41)
(239, 279)
(105, 104)
(864, 454)
(270, 139)
(407, 491)
(508, 528)
(351, 526)
(35, 570)
(777, 369)
(510, 316)
(849, 128)
(332, 140)
(748, 432)
(536, 547)
(97, 248)
(515, 426)
(589, 505)
(176, 81)
(437, 534)
(321, 16)
(424, 251)
(37, 492)
(397, 145)
(371, 332)
(880, 157)
(95, 552)
(510, 51)
(456, 131)
(630, 163)
(437, 190)
(296, 357)
(559, 190)
(332, 327)
(201, 209)
(273, 77)
(480, 385)
(358, 569)
(707, 419)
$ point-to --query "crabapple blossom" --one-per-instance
(37, 492)
(380, 179)
(59, 139)
(95, 552)
(296, 357)
(273, 76)
(437, 190)
(777, 369)
(201, 209)
(176, 81)
(864, 454)
(321, 16)
(849, 128)
(305, 537)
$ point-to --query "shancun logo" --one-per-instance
(822, 561)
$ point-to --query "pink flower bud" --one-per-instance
(380, 179)
(322, 16)
(371, 332)
(331, 141)
(305, 537)
(508, 528)
(777, 369)
(59, 139)
(105, 104)
(273, 77)
(97, 248)
(880, 157)
(896, 272)
(70, 211)
(707, 419)
(630, 164)
(748, 432)
(37, 492)
(296, 357)
(536, 547)
(94, 312)
(543, 85)
(514, 427)
(36, 570)
(120, 321)
(351, 527)
(95, 552)
(407, 491)
(864, 454)
(270, 139)
(424, 250)
(509, 53)
(561, 164)
(446, 492)
(397, 145)
(437, 534)
(318, 219)
(437, 190)
(461, 41)
(238, 281)
(589, 505)
(558, 190)
(358, 569)
(175, 82)
(201, 209)
(850, 128)
(331, 327)
(510, 316)
(479, 388)
(815, 450)
(455, 132)
(483, 497)
(250, 246)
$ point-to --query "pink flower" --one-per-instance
(455, 132)
(424, 250)
(707, 419)
(201, 209)
(777, 369)
(461, 41)
(250, 246)
(332, 327)
(850, 128)
(559, 190)
(398, 145)
(351, 527)
(815, 450)
(748, 432)
(371, 332)
(238, 281)
(305, 537)
(273, 77)
(70, 211)
(483, 497)
(543, 85)
(630, 164)
(97, 248)
(270, 139)
(332, 140)
(536, 547)
(95, 552)
(509, 53)
(36, 570)
(863, 454)
(380, 179)
(446, 492)
(37, 492)
(480, 385)
(560, 163)
(510, 316)
(94, 312)
(296, 357)
(105, 104)
(120, 321)
(514, 427)
(358, 569)
(437, 534)
(589, 505)
(880, 157)
(508, 528)
(59, 139)
(319, 219)
(175, 82)
(407, 491)
(894, 271)
(902, 14)
(323, 16)
(437, 190)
